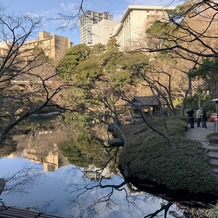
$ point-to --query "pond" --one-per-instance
(41, 178)
(68, 192)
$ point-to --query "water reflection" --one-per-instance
(50, 162)
(94, 173)
(67, 192)
(39, 176)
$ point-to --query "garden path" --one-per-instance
(199, 133)
(211, 149)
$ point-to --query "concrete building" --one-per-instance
(53, 45)
(130, 33)
(87, 20)
(4, 46)
(102, 31)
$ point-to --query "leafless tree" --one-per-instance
(193, 31)
(21, 180)
(189, 36)
(70, 21)
(28, 81)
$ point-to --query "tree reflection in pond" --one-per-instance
(87, 186)
(67, 192)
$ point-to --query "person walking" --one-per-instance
(198, 117)
(204, 119)
(190, 113)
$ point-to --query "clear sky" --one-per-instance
(48, 9)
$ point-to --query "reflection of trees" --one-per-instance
(21, 180)
(187, 212)
(108, 201)
(82, 201)
(164, 207)
(84, 148)
(40, 144)
(83, 151)
(9, 148)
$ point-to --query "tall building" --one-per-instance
(131, 32)
(102, 31)
(87, 20)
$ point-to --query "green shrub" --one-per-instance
(177, 126)
(184, 168)
(178, 118)
(213, 138)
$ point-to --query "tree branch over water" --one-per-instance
(164, 208)
(21, 180)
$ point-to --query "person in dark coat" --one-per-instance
(190, 113)
(204, 119)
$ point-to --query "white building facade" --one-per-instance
(87, 20)
(102, 31)
(131, 32)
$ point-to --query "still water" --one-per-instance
(41, 178)
(68, 192)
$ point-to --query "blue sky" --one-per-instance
(51, 8)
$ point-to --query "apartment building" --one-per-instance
(130, 33)
(53, 45)
(3, 48)
(87, 20)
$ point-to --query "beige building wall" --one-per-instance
(102, 31)
(54, 45)
(3, 48)
(131, 32)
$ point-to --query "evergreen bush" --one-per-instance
(184, 168)
(213, 138)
